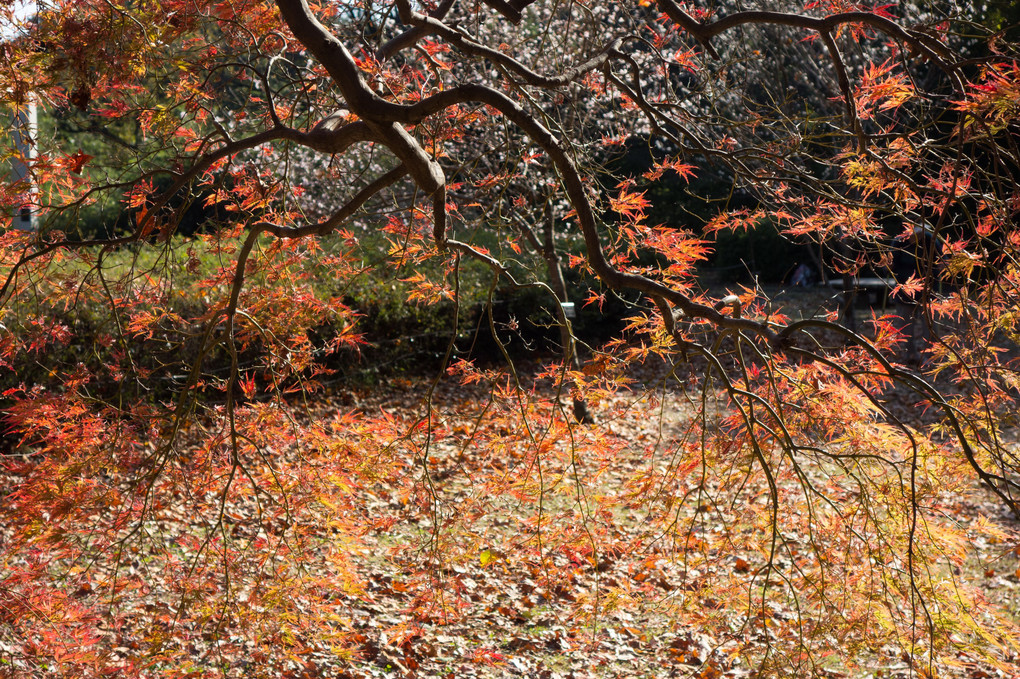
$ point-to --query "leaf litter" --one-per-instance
(387, 539)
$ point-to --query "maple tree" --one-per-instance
(184, 496)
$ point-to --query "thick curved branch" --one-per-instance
(330, 136)
(413, 34)
(324, 138)
(334, 57)
(465, 44)
(380, 115)
(704, 32)
(228, 149)
(320, 229)
(340, 216)
(510, 10)
(844, 87)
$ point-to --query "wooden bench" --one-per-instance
(872, 291)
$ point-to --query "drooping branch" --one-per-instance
(1000, 485)
(387, 120)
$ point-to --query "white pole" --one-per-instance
(23, 129)
(24, 125)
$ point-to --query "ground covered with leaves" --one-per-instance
(461, 527)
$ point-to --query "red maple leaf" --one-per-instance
(76, 161)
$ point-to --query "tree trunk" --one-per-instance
(559, 285)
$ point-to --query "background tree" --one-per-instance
(182, 497)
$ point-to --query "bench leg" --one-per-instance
(915, 330)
